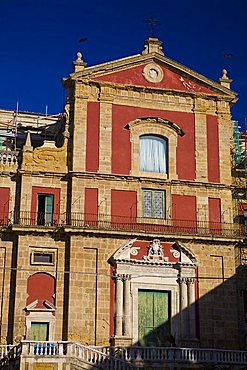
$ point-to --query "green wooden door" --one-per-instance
(153, 317)
(39, 331)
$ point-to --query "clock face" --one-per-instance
(153, 73)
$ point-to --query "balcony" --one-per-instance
(80, 222)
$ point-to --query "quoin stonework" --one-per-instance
(123, 222)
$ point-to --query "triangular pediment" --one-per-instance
(153, 71)
(153, 252)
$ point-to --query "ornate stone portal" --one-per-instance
(155, 267)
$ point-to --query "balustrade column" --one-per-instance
(183, 307)
(119, 305)
(127, 307)
(192, 311)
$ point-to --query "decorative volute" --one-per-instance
(47, 158)
(225, 80)
(152, 45)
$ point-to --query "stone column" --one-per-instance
(119, 305)
(192, 311)
(183, 307)
(127, 330)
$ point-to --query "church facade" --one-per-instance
(122, 232)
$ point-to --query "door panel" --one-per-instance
(39, 331)
(153, 317)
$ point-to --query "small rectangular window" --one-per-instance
(42, 258)
(154, 203)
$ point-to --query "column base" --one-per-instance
(122, 341)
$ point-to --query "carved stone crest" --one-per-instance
(155, 252)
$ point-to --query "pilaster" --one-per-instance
(225, 134)
(80, 128)
(105, 135)
(201, 139)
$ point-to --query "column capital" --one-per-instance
(190, 280)
(119, 277)
(126, 277)
(182, 280)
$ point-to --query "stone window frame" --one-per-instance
(157, 127)
(34, 250)
(39, 317)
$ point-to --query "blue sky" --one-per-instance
(39, 40)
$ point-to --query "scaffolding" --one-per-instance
(14, 126)
(239, 171)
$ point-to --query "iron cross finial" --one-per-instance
(152, 23)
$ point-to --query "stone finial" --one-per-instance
(79, 64)
(28, 145)
(152, 45)
(225, 80)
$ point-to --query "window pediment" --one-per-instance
(156, 121)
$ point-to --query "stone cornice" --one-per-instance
(156, 263)
(148, 89)
(141, 179)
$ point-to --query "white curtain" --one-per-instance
(153, 154)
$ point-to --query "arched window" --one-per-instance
(153, 154)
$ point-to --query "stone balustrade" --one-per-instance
(8, 160)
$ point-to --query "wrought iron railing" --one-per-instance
(136, 224)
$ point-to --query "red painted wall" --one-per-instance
(43, 190)
(121, 146)
(214, 209)
(40, 286)
(214, 215)
(213, 149)
(184, 207)
(4, 205)
(123, 203)
(91, 204)
(171, 80)
(92, 144)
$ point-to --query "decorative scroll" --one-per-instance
(45, 158)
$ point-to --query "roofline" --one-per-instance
(126, 62)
